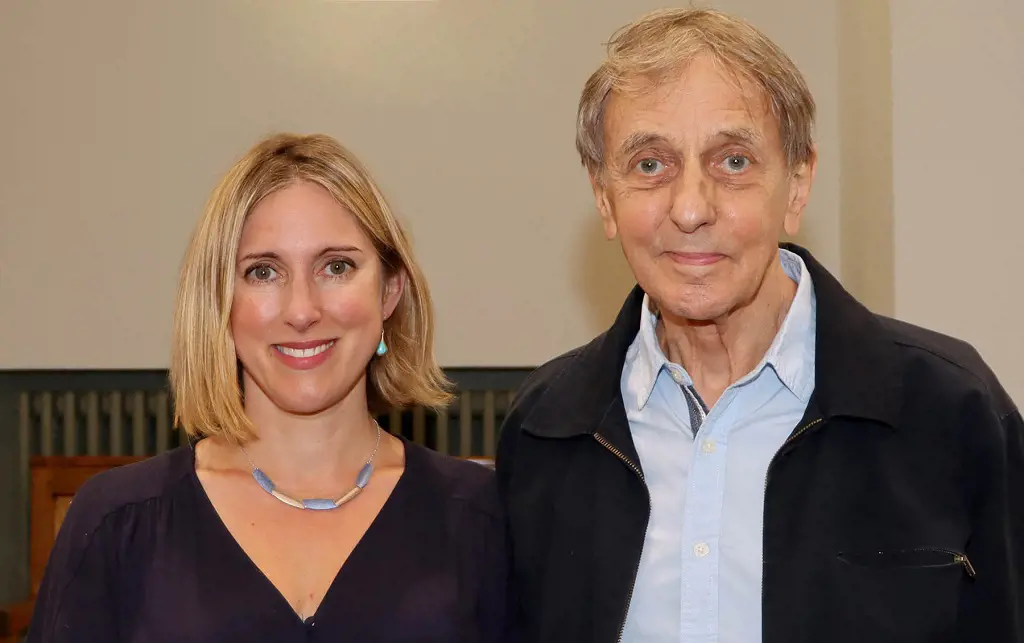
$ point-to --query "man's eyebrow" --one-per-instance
(637, 141)
(740, 135)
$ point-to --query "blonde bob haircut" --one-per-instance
(664, 42)
(205, 372)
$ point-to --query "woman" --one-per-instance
(291, 516)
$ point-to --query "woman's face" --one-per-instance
(311, 297)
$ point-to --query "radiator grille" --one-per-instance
(139, 422)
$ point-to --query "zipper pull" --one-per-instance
(968, 567)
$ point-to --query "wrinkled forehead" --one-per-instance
(688, 104)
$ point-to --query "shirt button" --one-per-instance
(701, 550)
(677, 377)
(708, 447)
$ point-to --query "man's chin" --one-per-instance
(693, 304)
(695, 316)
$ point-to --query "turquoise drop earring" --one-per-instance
(381, 347)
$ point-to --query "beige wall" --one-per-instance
(118, 117)
(958, 132)
(865, 116)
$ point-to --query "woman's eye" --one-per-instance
(337, 268)
(650, 166)
(261, 272)
(735, 163)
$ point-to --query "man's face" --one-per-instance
(697, 188)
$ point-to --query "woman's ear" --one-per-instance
(394, 286)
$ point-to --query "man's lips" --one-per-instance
(695, 258)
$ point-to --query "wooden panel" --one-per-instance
(55, 481)
(41, 525)
(60, 509)
(97, 462)
(14, 621)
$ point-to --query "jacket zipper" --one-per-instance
(957, 559)
(968, 567)
(796, 434)
(961, 559)
(618, 454)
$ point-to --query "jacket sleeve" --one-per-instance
(505, 454)
(75, 602)
(503, 463)
(992, 606)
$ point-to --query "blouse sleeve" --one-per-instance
(75, 601)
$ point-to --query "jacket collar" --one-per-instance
(586, 393)
(855, 371)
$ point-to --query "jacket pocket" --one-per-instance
(901, 595)
(923, 557)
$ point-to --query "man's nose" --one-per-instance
(692, 203)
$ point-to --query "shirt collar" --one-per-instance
(645, 359)
(791, 353)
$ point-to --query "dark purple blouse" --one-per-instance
(143, 557)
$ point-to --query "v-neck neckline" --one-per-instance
(354, 558)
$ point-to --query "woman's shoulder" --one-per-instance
(466, 482)
(130, 485)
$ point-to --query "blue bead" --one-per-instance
(382, 347)
(319, 503)
(263, 480)
(364, 475)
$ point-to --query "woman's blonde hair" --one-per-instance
(204, 370)
(663, 42)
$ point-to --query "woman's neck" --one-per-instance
(314, 452)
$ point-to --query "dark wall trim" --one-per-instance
(151, 379)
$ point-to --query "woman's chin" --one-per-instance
(303, 395)
(307, 403)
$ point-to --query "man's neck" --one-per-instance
(718, 353)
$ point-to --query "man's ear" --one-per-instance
(604, 206)
(800, 183)
(394, 286)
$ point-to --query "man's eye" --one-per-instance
(650, 166)
(736, 163)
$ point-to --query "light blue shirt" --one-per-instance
(699, 579)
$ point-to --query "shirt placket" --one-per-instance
(702, 523)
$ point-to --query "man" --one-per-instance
(748, 454)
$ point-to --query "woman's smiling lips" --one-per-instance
(303, 356)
